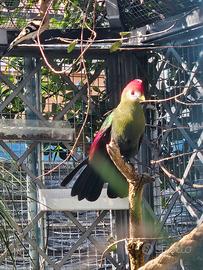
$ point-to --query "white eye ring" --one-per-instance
(134, 94)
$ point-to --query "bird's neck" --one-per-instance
(130, 104)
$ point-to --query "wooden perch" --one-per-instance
(136, 183)
(183, 248)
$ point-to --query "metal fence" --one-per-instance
(176, 131)
(65, 239)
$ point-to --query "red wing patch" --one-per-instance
(99, 143)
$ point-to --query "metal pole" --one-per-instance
(31, 94)
(42, 222)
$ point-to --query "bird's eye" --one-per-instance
(134, 94)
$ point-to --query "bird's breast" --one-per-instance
(128, 128)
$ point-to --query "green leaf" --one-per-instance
(71, 46)
(54, 22)
(116, 46)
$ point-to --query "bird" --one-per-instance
(30, 31)
(125, 125)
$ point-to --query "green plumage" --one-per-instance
(128, 124)
(125, 125)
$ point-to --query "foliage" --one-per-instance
(16, 105)
(64, 14)
(56, 89)
(9, 181)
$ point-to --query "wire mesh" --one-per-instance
(13, 194)
(177, 135)
(140, 13)
(63, 14)
(63, 234)
(59, 233)
(174, 128)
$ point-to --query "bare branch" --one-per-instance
(189, 103)
(82, 60)
(179, 180)
(176, 156)
(184, 247)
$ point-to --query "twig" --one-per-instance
(166, 128)
(176, 156)
(179, 180)
(168, 99)
(189, 103)
(91, 40)
(81, 57)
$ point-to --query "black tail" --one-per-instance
(88, 185)
(89, 182)
(70, 176)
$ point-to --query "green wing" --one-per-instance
(107, 122)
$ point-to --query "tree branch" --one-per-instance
(183, 248)
(136, 183)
